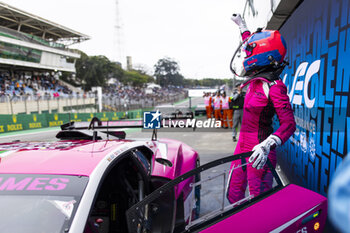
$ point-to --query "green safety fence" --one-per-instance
(57, 119)
(10, 123)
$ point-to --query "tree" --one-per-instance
(135, 78)
(96, 70)
(167, 72)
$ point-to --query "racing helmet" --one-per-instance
(261, 50)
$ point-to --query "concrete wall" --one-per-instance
(56, 105)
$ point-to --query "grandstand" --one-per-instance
(27, 40)
(33, 53)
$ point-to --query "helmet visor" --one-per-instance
(243, 51)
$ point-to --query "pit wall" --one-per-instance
(318, 40)
(10, 123)
(50, 106)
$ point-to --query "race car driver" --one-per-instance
(266, 95)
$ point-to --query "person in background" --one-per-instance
(227, 112)
(207, 103)
(217, 106)
(237, 108)
(212, 95)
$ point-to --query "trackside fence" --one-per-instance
(17, 122)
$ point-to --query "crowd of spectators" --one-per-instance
(32, 86)
(21, 86)
(129, 94)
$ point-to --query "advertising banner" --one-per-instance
(35, 121)
(57, 119)
(10, 123)
(134, 114)
(318, 41)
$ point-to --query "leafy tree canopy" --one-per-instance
(136, 79)
(167, 72)
(97, 70)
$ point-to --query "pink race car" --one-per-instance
(88, 182)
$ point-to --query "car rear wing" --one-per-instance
(95, 123)
(88, 130)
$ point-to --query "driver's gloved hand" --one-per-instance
(262, 150)
(240, 22)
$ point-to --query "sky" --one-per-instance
(198, 34)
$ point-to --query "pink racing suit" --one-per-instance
(261, 102)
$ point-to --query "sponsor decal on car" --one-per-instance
(31, 183)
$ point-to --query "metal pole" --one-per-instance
(25, 105)
(77, 103)
(48, 104)
(58, 104)
(38, 105)
(11, 106)
(71, 103)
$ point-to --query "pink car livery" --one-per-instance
(79, 184)
(283, 208)
(89, 182)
